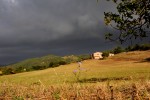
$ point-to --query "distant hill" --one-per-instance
(125, 72)
(123, 66)
(51, 61)
(40, 63)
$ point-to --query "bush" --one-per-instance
(71, 59)
(129, 48)
(84, 57)
(118, 50)
(145, 47)
(62, 62)
(38, 67)
(7, 71)
(138, 47)
(53, 64)
(19, 69)
(105, 54)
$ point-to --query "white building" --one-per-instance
(111, 54)
(97, 55)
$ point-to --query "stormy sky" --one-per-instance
(34, 28)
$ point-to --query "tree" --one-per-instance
(118, 50)
(7, 71)
(105, 54)
(132, 20)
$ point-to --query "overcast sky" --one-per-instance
(34, 28)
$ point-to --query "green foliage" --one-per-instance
(57, 63)
(105, 54)
(132, 20)
(41, 63)
(145, 47)
(71, 59)
(118, 50)
(84, 57)
(33, 64)
(54, 64)
(20, 69)
(7, 71)
(62, 62)
(37, 63)
(129, 48)
(38, 67)
(138, 47)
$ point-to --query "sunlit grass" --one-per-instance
(118, 77)
(109, 68)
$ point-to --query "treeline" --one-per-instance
(140, 47)
(45, 62)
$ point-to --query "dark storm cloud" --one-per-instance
(31, 28)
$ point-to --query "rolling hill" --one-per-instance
(119, 77)
(121, 66)
(41, 63)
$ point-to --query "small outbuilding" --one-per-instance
(111, 54)
(97, 55)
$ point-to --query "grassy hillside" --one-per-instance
(124, 66)
(125, 76)
(44, 61)
(41, 63)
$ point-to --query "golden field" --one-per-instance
(126, 76)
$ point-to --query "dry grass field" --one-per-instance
(125, 76)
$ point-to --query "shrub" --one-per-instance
(118, 50)
(138, 47)
(105, 54)
(84, 57)
(71, 59)
(129, 48)
(53, 64)
(62, 62)
(145, 47)
(7, 71)
(19, 69)
(38, 67)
